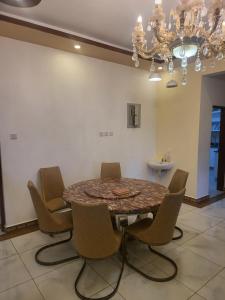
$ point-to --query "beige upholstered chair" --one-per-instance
(113, 171)
(110, 170)
(50, 223)
(95, 237)
(158, 231)
(52, 188)
(178, 181)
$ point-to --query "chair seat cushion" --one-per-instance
(64, 220)
(55, 204)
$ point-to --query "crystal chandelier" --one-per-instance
(191, 31)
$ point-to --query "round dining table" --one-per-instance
(124, 196)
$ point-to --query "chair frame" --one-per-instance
(57, 262)
(178, 237)
(157, 279)
(166, 238)
(84, 249)
(104, 297)
(181, 233)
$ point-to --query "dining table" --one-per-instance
(140, 196)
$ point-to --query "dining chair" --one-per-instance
(52, 188)
(113, 171)
(110, 170)
(95, 238)
(158, 231)
(177, 183)
(50, 223)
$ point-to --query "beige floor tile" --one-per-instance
(198, 221)
(105, 292)
(25, 291)
(12, 272)
(141, 251)
(135, 286)
(185, 208)
(193, 270)
(197, 297)
(213, 211)
(59, 284)
(220, 203)
(188, 234)
(214, 289)
(109, 269)
(208, 247)
(55, 253)
(218, 232)
(222, 273)
(32, 240)
(34, 268)
(6, 249)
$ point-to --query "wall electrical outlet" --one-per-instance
(13, 136)
(105, 133)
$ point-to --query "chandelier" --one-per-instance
(192, 31)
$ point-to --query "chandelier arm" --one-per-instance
(156, 32)
(217, 17)
(182, 20)
(146, 53)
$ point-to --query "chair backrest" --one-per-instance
(52, 185)
(110, 170)
(178, 181)
(45, 219)
(94, 235)
(162, 228)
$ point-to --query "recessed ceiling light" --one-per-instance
(21, 3)
(160, 68)
(77, 46)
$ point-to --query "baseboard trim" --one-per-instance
(20, 229)
(204, 201)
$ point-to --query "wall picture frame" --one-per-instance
(133, 115)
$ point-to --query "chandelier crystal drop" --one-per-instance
(191, 32)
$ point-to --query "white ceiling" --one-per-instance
(110, 21)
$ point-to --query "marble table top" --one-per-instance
(142, 196)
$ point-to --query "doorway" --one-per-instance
(217, 152)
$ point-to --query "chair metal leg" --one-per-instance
(45, 263)
(101, 298)
(180, 235)
(157, 279)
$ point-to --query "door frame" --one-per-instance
(221, 154)
(2, 203)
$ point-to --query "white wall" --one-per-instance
(57, 103)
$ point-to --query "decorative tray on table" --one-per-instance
(110, 191)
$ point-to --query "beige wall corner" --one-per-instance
(184, 125)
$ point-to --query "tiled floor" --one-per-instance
(200, 257)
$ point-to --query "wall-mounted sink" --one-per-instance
(160, 166)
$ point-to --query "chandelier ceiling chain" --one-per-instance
(191, 30)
